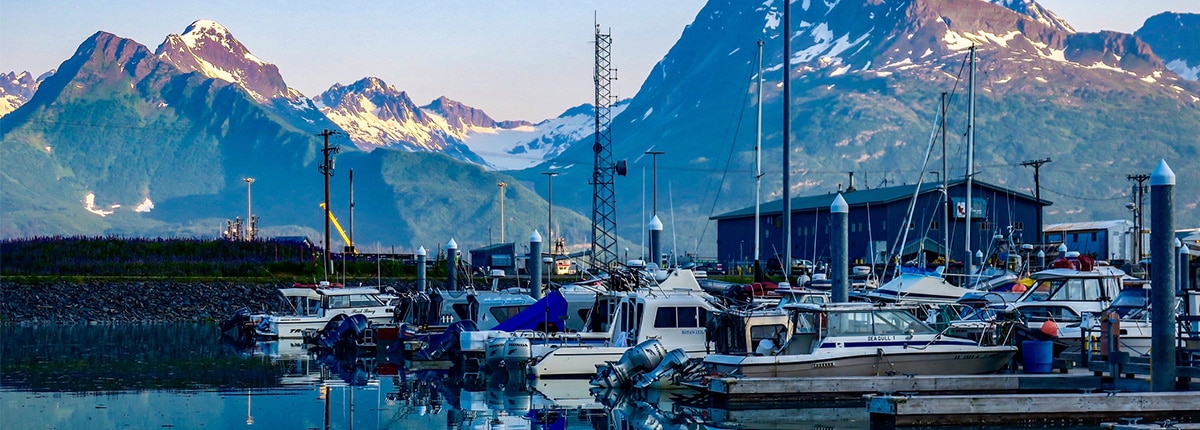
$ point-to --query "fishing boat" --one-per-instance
(313, 308)
(846, 339)
(674, 311)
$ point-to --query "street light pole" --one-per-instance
(654, 177)
(550, 210)
(501, 185)
(249, 223)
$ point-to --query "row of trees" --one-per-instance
(181, 257)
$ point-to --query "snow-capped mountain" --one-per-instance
(867, 76)
(208, 48)
(1167, 33)
(16, 89)
(375, 114)
(528, 145)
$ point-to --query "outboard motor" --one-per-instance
(345, 334)
(436, 347)
(670, 364)
(517, 355)
(642, 357)
(433, 312)
(240, 317)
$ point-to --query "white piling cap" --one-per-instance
(452, 244)
(1062, 247)
(421, 252)
(535, 237)
(839, 205)
(656, 224)
(1162, 175)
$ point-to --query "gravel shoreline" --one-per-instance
(108, 302)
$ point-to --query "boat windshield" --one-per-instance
(882, 322)
(1066, 289)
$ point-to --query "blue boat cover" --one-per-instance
(549, 312)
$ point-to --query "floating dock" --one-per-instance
(734, 390)
(1084, 408)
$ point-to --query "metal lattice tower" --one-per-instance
(604, 222)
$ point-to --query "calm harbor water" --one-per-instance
(183, 376)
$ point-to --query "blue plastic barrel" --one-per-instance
(1037, 356)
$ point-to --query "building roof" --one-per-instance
(1120, 224)
(502, 247)
(860, 197)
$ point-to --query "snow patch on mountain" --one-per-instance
(1181, 68)
(89, 204)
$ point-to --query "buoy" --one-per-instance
(1050, 328)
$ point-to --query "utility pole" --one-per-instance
(1037, 190)
(326, 170)
(1139, 198)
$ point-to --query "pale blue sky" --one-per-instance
(514, 59)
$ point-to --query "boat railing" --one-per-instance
(552, 338)
(986, 333)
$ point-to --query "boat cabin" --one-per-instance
(629, 318)
(803, 327)
(1063, 295)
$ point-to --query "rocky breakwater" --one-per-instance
(85, 302)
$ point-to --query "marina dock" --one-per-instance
(749, 390)
(1064, 408)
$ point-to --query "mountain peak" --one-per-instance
(1181, 54)
(210, 49)
(15, 90)
(464, 117)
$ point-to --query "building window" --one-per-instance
(933, 225)
(984, 226)
(1019, 225)
(1093, 236)
(1075, 237)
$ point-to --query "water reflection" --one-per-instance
(181, 376)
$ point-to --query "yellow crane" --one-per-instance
(349, 246)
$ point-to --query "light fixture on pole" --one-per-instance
(501, 185)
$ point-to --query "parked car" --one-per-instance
(798, 266)
(712, 268)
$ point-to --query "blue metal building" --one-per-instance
(876, 223)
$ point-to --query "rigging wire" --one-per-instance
(728, 161)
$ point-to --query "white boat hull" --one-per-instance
(886, 360)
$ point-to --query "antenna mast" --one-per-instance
(604, 222)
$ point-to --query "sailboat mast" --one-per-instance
(758, 163)
(945, 191)
(787, 140)
(970, 266)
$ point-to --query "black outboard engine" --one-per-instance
(433, 314)
(438, 347)
(242, 323)
(345, 335)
